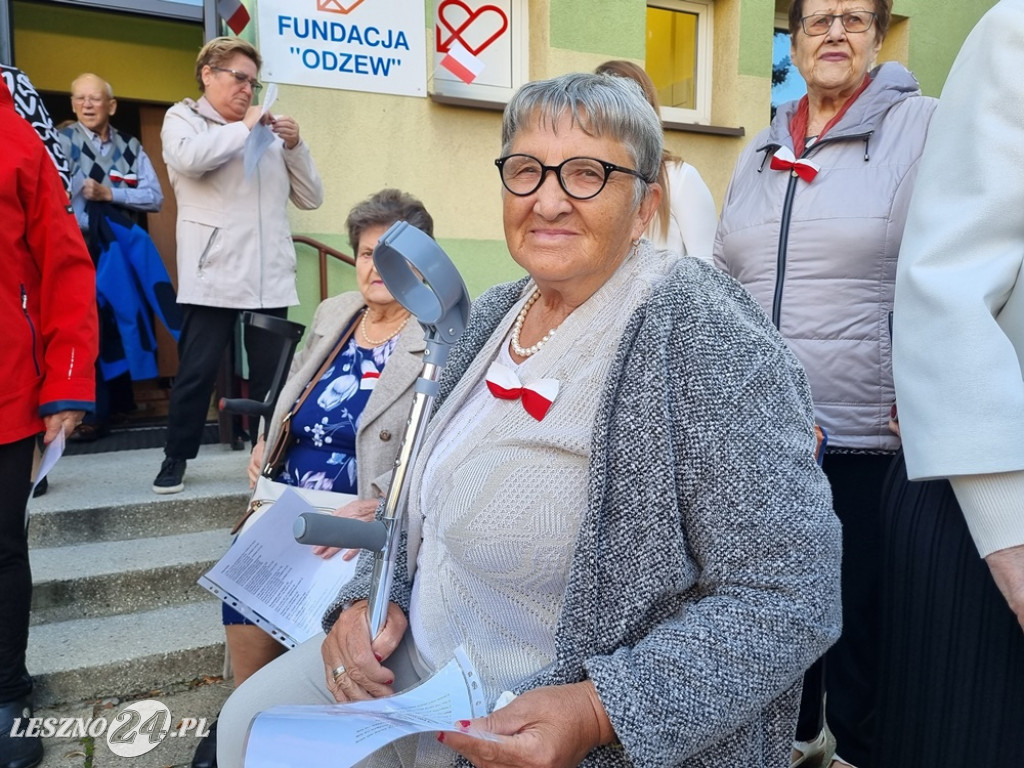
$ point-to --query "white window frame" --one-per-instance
(487, 96)
(704, 10)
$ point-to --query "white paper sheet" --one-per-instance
(260, 137)
(273, 580)
(340, 735)
(53, 452)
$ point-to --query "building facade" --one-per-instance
(712, 60)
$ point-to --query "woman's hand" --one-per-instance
(253, 115)
(360, 509)
(1007, 566)
(256, 461)
(553, 726)
(65, 421)
(287, 129)
(348, 646)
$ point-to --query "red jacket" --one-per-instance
(47, 288)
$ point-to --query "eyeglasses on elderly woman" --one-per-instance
(818, 24)
(580, 177)
(240, 77)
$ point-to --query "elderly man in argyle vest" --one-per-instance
(111, 177)
(107, 165)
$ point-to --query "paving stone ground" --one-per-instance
(195, 699)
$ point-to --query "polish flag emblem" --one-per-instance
(234, 14)
(461, 63)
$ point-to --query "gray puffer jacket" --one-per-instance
(820, 256)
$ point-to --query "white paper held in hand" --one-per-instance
(260, 137)
(273, 580)
(53, 452)
(340, 735)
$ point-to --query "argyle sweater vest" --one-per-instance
(116, 168)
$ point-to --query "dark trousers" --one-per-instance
(848, 672)
(114, 396)
(206, 332)
(953, 653)
(15, 574)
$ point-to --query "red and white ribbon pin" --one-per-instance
(537, 396)
(783, 160)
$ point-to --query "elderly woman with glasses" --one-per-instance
(811, 226)
(641, 547)
(235, 249)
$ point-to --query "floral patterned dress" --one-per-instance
(323, 456)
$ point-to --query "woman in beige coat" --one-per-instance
(235, 247)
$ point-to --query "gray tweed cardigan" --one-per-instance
(705, 578)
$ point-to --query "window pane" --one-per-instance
(787, 84)
(672, 56)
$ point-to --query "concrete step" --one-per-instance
(60, 527)
(113, 577)
(109, 496)
(117, 656)
(116, 610)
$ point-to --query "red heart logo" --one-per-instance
(458, 19)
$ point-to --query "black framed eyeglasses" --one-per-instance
(241, 78)
(818, 24)
(580, 177)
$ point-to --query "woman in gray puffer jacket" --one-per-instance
(811, 226)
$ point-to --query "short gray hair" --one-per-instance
(382, 210)
(218, 51)
(599, 105)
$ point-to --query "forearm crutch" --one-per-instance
(422, 278)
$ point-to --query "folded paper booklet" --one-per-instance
(340, 735)
(274, 581)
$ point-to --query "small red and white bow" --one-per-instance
(537, 396)
(131, 179)
(783, 160)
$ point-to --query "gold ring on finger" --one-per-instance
(337, 672)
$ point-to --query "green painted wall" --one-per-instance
(616, 30)
(756, 22)
(482, 263)
(145, 58)
(937, 30)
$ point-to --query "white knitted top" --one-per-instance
(502, 494)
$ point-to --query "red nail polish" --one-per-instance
(378, 657)
(389, 682)
(440, 737)
(464, 724)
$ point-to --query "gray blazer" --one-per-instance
(382, 423)
(705, 577)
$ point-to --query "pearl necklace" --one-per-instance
(372, 342)
(518, 327)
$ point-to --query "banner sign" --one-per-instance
(358, 45)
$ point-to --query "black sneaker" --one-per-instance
(18, 750)
(170, 477)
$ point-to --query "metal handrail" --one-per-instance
(323, 250)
